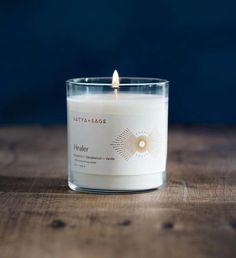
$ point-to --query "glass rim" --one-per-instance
(107, 81)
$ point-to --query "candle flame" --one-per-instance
(115, 80)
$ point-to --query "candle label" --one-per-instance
(113, 144)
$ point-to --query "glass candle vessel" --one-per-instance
(117, 135)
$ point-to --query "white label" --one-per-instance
(115, 144)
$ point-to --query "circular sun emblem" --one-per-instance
(128, 144)
(142, 143)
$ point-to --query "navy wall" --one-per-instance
(191, 43)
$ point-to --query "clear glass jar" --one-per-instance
(117, 137)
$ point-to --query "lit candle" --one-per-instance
(117, 133)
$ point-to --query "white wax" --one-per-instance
(149, 108)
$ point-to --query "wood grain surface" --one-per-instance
(194, 216)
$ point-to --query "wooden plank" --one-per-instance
(194, 216)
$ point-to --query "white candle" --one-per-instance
(117, 142)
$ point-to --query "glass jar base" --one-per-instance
(117, 184)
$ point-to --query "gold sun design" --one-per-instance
(127, 144)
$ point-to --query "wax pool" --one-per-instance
(117, 141)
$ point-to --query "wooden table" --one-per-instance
(194, 216)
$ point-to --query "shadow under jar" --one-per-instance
(117, 138)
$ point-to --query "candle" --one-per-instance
(117, 134)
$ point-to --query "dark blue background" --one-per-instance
(191, 43)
